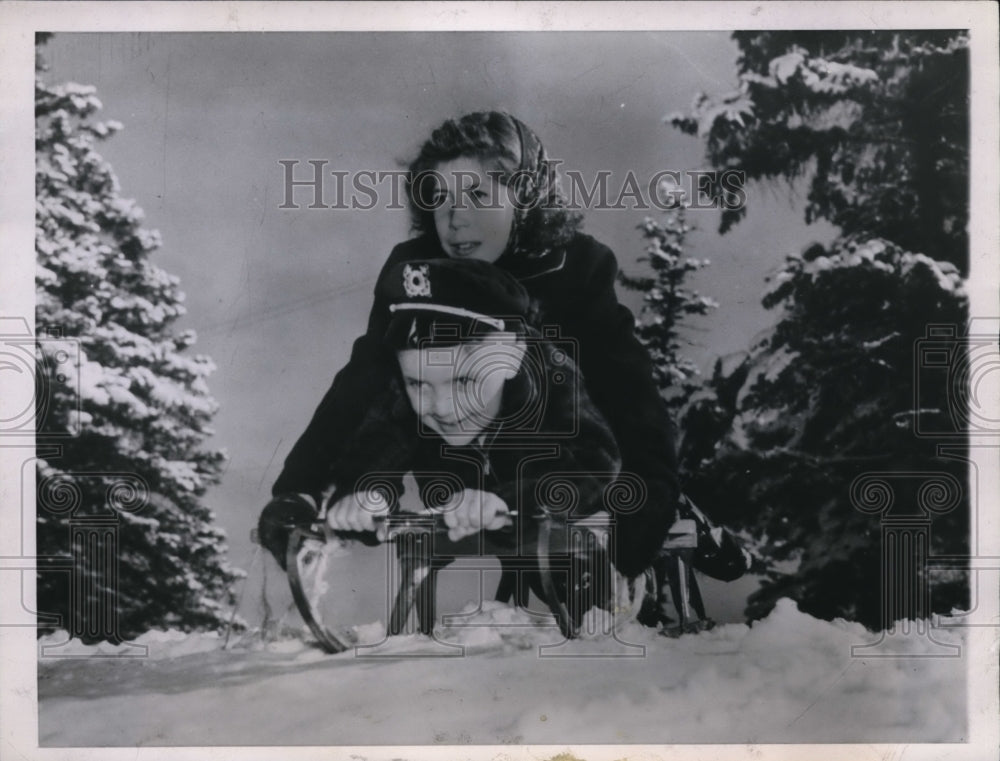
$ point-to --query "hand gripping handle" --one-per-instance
(389, 527)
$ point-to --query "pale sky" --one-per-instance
(278, 295)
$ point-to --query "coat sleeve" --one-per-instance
(619, 377)
(379, 451)
(575, 477)
(308, 467)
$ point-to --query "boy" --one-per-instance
(489, 417)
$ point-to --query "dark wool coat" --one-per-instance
(549, 446)
(573, 290)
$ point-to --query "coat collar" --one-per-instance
(527, 268)
(521, 267)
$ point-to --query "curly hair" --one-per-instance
(503, 144)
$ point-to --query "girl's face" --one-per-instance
(473, 214)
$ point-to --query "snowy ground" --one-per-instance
(788, 678)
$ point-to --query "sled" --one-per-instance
(565, 564)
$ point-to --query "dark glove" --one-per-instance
(280, 517)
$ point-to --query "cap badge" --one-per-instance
(416, 281)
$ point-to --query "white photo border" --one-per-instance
(20, 20)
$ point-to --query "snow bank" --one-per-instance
(157, 645)
(495, 675)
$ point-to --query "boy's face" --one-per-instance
(456, 391)
(473, 213)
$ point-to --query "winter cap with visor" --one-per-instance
(456, 298)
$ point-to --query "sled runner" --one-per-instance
(693, 543)
(672, 572)
(566, 565)
(306, 564)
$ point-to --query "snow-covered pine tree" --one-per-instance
(877, 122)
(122, 433)
(667, 302)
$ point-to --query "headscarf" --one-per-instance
(537, 185)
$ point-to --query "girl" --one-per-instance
(482, 188)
